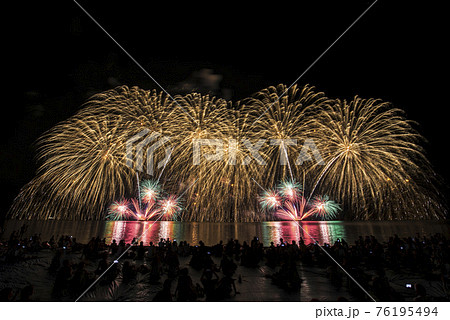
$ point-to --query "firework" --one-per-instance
(375, 165)
(324, 208)
(150, 190)
(82, 160)
(119, 210)
(289, 211)
(203, 119)
(270, 199)
(291, 203)
(290, 189)
(297, 209)
(300, 209)
(281, 116)
(170, 207)
(153, 204)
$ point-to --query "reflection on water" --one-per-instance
(309, 231)
(211, 233)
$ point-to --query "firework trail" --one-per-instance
(286, 119)
(374, 164)
(81, 160)
(81, 171)
(205, 119)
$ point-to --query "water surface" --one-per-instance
(211, 233)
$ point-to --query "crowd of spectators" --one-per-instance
(366, 260)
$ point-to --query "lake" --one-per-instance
(211, 233)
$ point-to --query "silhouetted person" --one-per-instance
(227, 266)
(80, 280)
(140, 251)
(225, 287)
(209, 281)
(114, 247)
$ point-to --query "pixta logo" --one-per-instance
(308, 151)
(144, 144)
(148, 143)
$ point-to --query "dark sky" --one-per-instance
(56, 57)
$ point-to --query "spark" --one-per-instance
(82, 160)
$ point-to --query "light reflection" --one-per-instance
(119, 230)
(166, 230)
(212, 233)
(195, 236)
(309, 231)
(271, 233)
(325, 233)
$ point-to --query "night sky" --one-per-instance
(57, 57)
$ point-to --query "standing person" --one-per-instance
(114, 247)
(140, 251)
